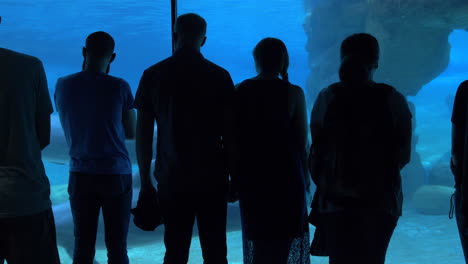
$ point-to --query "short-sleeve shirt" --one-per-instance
(91, 106)
(187, 95)
(24, 99)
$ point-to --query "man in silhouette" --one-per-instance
(27, 228)
(189, 97)
(459, 162)
(96, 112)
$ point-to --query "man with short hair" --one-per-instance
(189, 97)
(96, 112)
(27, 228)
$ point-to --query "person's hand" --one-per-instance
(233, 197)
(233, 194)
(147, 189)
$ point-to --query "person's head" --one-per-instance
(99, 51)
(271, 57)
(359, 58)
(190, 31)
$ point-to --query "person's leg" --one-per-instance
(211, 220)
(271, 251)
(179, 217)
(377, 230)
(3, 248)
(359, 236)
(32, 239)
(459, 217)
(116, 213)
(85, 212)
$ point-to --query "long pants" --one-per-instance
(88, 194)
(459, 217)
(180, 211)
(29, 239)
(357, 237)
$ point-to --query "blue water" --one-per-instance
(55, 30)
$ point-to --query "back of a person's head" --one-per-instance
(271, 56)
(100, 44)
(190, 27)
(359, 55)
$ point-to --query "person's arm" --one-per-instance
(229, 135)
(128, 114)
(144, 132)
(300, 119)
(316, 116)
(43, 108)
(300, 126)
(129, 123)
(404, 129)
(144, 147)
(458, 132)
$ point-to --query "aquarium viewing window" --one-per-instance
(424, 47)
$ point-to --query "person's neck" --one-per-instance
(267, 76)
(188, 48)
(99, 68)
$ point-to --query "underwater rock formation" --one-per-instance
(432, 199)
(441, 174)
(413, 35)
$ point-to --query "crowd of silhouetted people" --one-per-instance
(216, 143)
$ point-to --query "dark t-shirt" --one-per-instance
(188, 96)
(24, 101)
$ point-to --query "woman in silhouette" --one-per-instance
(361, 139)
(271, 139)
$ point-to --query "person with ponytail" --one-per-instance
(271, 135)
(361, 139)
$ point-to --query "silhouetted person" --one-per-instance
(271, 138)
(27, 228)
(96, 112)
(459, 162)
(361, 135)
(188, 97)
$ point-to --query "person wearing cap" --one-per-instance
(96, 112)
(27, 228)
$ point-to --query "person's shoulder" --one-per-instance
(296, 89)
(215, 67)
(159, 66)
(463, 87)
(387, 87)
(20, 57)
(69, 78)
(329, 90)
(391, 91)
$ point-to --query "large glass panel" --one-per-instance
(423, 55)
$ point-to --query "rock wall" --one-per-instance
(413, 35)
